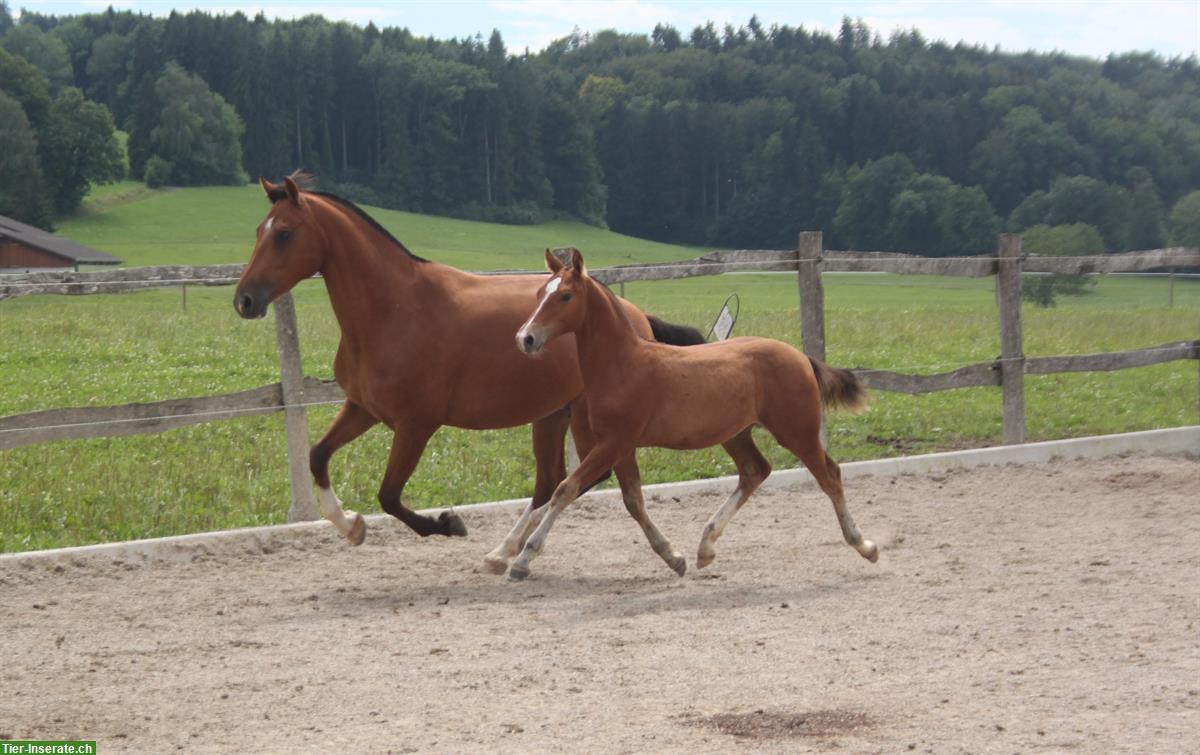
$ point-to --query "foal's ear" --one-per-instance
(553, 263)
(577, 262)
(293, 191)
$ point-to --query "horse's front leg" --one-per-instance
(630, 478)
(407, 447)
(548, 435)
(351, 422)
(600, 459)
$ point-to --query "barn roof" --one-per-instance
(56, 245)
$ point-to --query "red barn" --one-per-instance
(24, 248)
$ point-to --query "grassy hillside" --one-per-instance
(215, 224)
(101, 350)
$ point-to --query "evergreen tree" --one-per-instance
(198, 134)
(47, 53)
(28, 86)
(141, 100)
(1185, 221)
(22, 187)
(79, 148)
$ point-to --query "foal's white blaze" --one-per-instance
(529, 328)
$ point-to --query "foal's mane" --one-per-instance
(615, 302)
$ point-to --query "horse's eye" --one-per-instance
(566, 298)
(283, 235)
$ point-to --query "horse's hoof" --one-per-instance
(358, 530)
(518, 573)
(870, 551)
(452, 524)
(495, 564)
(679, 564)
(704, 559)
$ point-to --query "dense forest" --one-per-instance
(738, 136)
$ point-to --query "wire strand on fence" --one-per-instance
(700, 262)
(148, 283)
(908, 370)
(209, 413)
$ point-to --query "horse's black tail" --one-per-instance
(840, 389)
(676, 335)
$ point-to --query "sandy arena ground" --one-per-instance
(1041, 608)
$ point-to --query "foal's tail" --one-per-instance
(676, 335)
(840, 389)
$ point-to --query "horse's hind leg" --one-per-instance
(548, 435)
(752, 469)
(829, 477)
(407, 445)
(630, 478)
(351, 422)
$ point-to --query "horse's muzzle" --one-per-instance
(251, 303)
(529, 342)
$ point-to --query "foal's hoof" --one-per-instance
(679, 564)
(358, 530)
(495, 564)
(703, 559)
(869, 551)
(518, 573)
(452, 524)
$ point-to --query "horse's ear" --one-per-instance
(577, 262)
(274, 192)
(293, 191)
(553, 263)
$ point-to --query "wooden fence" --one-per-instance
(809, 260)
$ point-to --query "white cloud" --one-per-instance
(1094, 29)
(536, 23)
(1082, 27)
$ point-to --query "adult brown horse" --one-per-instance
(643, 394)
(423, 345)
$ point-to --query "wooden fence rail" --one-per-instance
(809, 260)
(715, 263)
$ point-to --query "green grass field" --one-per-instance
(215, 224)
(101, 350)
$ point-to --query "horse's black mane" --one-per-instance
(368, 220)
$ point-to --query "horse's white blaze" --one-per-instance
(267, 227)
(528, 328)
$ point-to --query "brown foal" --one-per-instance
(640, 393)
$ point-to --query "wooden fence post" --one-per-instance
(812, 303)
(1012, 354)
(812, 294)
(304, 506)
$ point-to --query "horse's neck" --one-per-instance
(606, 339)
(365, 276)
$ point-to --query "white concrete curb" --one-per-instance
(1180, 440)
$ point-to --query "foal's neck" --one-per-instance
(606, 338)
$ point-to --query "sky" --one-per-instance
(1092, 28)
